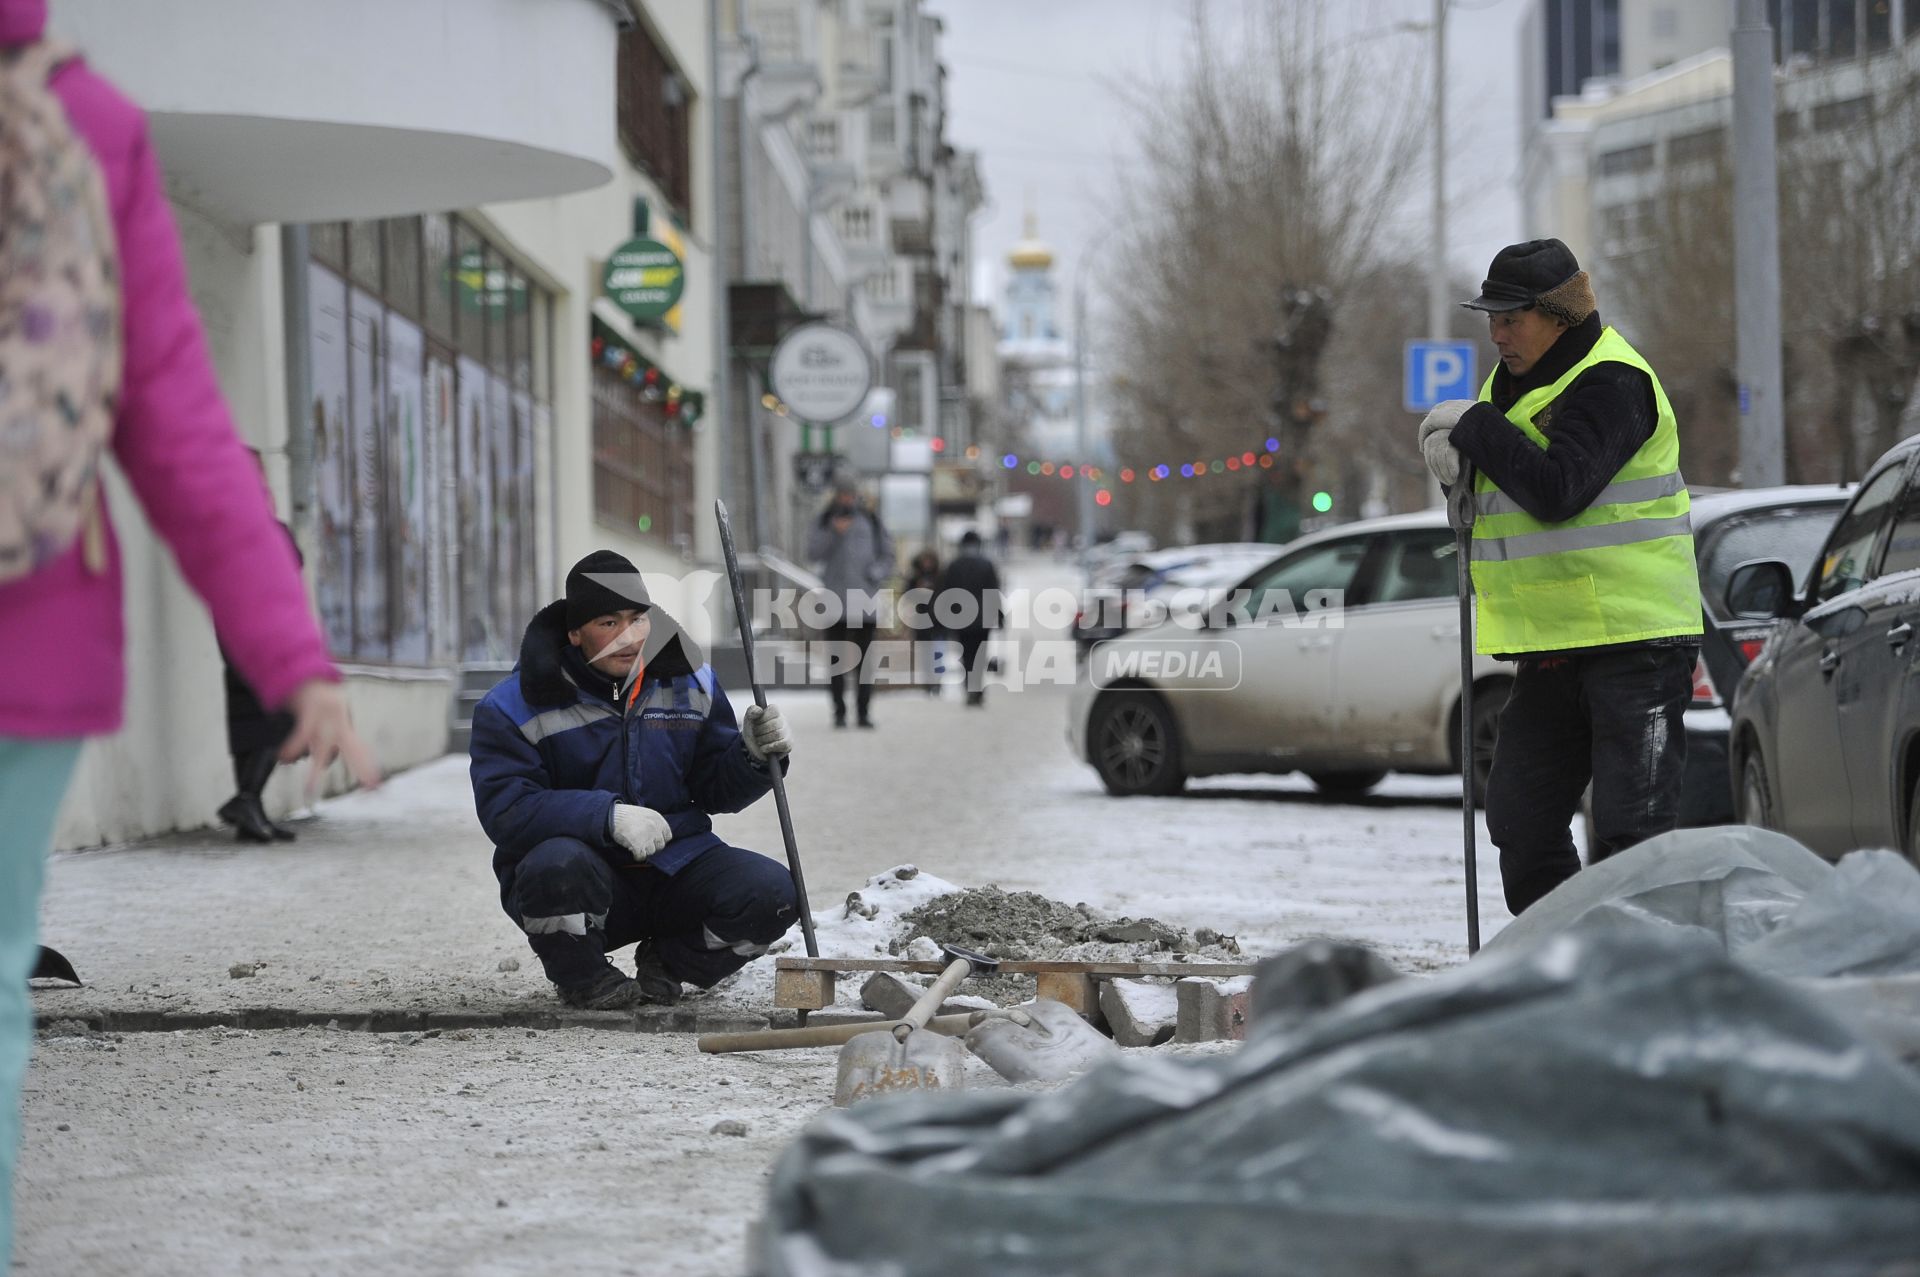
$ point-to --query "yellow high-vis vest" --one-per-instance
(1620, 571)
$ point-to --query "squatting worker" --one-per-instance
(597, 765)
(1583, 569)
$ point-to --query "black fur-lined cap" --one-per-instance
(544, 676)
(1521, 272)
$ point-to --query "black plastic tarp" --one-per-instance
(1626, 1100)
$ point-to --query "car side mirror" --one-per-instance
(1761, 591)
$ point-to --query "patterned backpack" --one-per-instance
(60, 327)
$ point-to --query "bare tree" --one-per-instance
(1850, 270)
(1271, 168)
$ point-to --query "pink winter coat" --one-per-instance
(62, 634)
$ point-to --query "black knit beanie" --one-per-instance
(601, 584)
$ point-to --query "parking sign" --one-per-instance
(1438, 371)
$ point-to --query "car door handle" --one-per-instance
(1444, 632)
(1899, 634)
(1829, 661)
(1315, 642)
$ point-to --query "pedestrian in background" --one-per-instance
(924, 574)
(855, 557)
(973, 578)
(1583, 569)
(95, 315)
(254, 736)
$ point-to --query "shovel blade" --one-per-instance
(877, 1064)
(1054, 1045)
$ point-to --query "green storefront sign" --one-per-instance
(644, 278)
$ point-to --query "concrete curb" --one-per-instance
(648, 1020)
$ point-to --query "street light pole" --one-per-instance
(1082, 443)
(1756, 251)
(1438, 312)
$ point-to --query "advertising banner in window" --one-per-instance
(475, 509)
(407, 475)
(504, 565)
(332, 456)
(365, 375)
(443, 517)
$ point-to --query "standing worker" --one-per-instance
(1583, 569)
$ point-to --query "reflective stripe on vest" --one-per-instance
(1620, 571)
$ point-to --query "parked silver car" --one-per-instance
(1344, 694)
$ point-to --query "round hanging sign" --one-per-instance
(821, 373)
(644, 278)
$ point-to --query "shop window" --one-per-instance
(327, 242)
(642, 461)
(655, 116)
(437, 231)
(400, 239)
(363, 254)
(427, 494)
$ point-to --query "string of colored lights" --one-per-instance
(682, 406)
(1249, 460)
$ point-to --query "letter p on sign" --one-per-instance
(1438, 371)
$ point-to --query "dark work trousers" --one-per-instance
(1614, 718)
(707, 921)
(861, 636)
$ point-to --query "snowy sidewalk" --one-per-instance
(387, 908)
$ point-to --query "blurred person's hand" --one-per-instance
(323, 728)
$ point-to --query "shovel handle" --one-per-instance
(920, 1012)
(952, 1026)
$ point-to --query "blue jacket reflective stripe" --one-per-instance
(546, 769)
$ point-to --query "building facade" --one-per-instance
(852, 208)
(396, 214)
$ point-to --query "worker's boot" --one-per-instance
(607, 991)
(651, 975)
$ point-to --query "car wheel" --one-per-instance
(1487, 703)
(1346, 784)
(1136, 745)
(1756, 799)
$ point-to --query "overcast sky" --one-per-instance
(1032, 87)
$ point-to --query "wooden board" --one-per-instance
(1209, 970)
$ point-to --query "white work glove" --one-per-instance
(1436, 442)
(641, 830)
(765, 733)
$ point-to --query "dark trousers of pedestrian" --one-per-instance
(254, 737)
(973, 660)
(861, 636)
(1612, 717)
(718, 913)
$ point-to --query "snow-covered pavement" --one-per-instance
(316, 1151)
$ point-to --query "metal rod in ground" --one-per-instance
(745, 618)
(1460, 513)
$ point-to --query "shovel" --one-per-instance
(908, 1057)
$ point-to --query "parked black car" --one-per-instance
(1729, 529)
(1826, 723)
(1732, 527)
